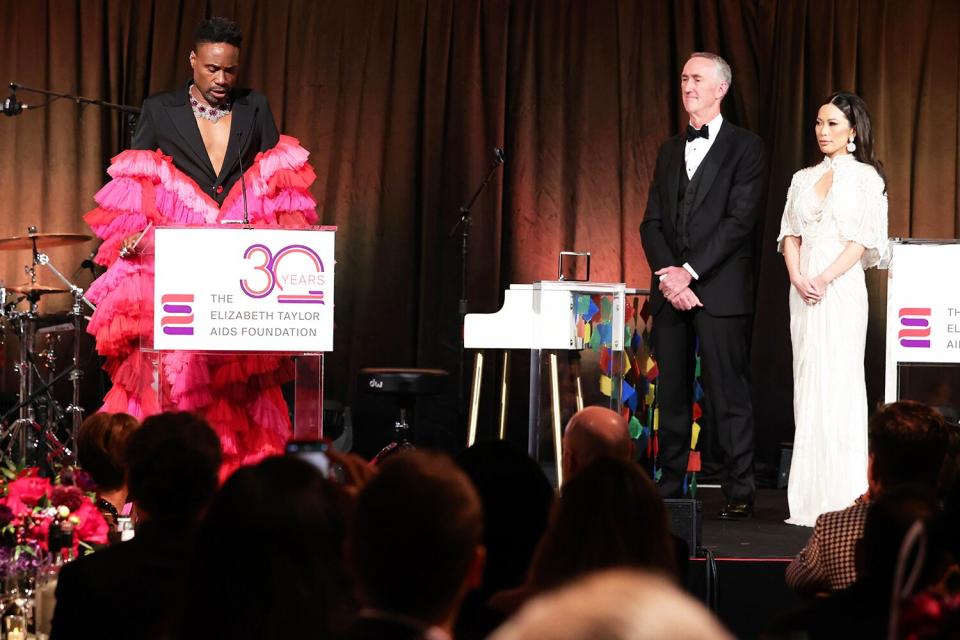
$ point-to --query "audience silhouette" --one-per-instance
(271, 548)
(129, 590)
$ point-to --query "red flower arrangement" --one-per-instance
(930, 614)
(30, 505)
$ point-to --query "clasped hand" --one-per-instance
(811, 290)
(675, 287)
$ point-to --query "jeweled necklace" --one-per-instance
(207, 112)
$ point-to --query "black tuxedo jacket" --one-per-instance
(720, 223)
(167, 123)
(130, 590)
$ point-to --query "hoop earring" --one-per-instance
(851, 147)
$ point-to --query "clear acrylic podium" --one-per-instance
(306, 414)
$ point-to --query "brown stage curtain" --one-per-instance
(401, 103)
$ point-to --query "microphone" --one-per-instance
(498, 156)
(88, 262)
(12, 106)
(243, 182)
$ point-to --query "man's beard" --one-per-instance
(216, 102)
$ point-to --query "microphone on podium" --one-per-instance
(243, 182)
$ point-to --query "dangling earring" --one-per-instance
(851, 147)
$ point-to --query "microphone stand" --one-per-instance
(243, 182)
(132, 112)
(74, 371)
(243, 186)
(464, 226)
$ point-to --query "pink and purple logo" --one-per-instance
(178, 310)
(296, 271)
(915, 327)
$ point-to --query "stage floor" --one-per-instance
(749, 592)
(763, 536)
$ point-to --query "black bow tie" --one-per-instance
(693, 134)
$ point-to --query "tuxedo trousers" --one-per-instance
(725, 377)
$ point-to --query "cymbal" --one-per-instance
(43, 240)
(36, 289)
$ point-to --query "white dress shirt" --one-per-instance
(696, 150)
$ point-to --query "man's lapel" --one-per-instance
(674, 167)
(186, 123)
(711, 164)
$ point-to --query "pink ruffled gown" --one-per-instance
(239, 395)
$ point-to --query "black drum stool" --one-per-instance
(406, 385)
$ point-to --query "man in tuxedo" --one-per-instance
(697, 235)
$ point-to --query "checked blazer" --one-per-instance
(826, 563)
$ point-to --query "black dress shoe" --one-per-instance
(736, 511)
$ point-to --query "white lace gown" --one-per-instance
(829, 466)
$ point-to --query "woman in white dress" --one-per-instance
(834, 226)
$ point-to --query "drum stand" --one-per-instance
(20, 434)
(74, 409)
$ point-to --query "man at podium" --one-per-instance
(190, 149)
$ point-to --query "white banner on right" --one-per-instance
(923, 322)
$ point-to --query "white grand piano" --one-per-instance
(541, 317)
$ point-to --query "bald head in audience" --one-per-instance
(616, 604)
(594, 432)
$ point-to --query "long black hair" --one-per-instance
(855, 110)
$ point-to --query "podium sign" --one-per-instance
(923, 309)
(243, 289)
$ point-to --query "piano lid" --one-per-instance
(537, 316)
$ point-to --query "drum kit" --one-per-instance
(29, 430)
